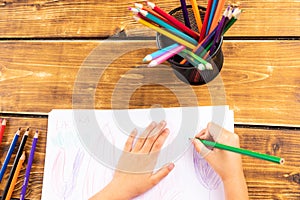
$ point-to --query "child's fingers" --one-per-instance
(156, 146)
(200, 147)
(142, 138)
(130, 140)
(153, 136)
(215, 131)
(160, 174)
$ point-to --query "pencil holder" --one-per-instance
(188, 73)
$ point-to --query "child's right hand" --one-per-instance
(227, 164)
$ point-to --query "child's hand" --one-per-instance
(227, 164)
(134, 174)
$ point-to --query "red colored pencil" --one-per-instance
(2, 128)
(205, 21)
(173, 20)
(141, 6)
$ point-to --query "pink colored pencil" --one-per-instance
(166, 56)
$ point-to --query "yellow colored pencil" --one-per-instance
(197, 14)
(164, 32)
(15, 177)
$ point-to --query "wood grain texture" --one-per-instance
(265, 180)
(258, 80)
(89, 18)
(36, 174)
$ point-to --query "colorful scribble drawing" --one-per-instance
(71, 172)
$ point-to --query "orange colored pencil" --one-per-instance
(15, 177)
(197, 14)
(217, 16)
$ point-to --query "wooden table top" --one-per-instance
(52, 52)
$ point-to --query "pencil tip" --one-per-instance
(138, 5)
(208, 66)
(4, 122)
(36, 135)
(27, 129)
(152, 63)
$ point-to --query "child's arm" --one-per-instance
(227, 164)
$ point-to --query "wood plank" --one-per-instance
(262, 88)
(89, 18)
(265, 180)
(36, 174)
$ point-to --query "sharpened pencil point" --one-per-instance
(209, 66)
(150, 4)
(4, 122)
(138, 5)
(147, 58)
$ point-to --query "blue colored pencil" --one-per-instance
(13, 169)
(9, 153)
(211, 15)
(168, 27)
(185, 14)
(159, 52)
(29, 164)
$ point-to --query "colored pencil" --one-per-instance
(192, 60)
(9, 153)
(15, 177)
(166, 56)
(168, 27)
(246, 152)
(219, 31)
(201, 48)
(235, 17)
(164, 32)
(196, 14)
(211, 15)
(217, 15)
(18, 155)
(136, 11)
(2, 128)
(29, 165)
(173, 20)
(185, 13)
(199, 59)
(159, 52)
(205, 21)
(142, 7)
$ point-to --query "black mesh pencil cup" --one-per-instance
(188, 73)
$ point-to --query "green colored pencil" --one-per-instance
(246, 152)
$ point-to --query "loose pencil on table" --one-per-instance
(242, 151)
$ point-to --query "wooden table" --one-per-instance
(46, 45)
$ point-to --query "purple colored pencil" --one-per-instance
(219, 31)
(185, 14)
(28, 168)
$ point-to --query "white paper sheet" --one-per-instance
(82, 148)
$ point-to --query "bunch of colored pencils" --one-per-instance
(17, 163)
(194, 47)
